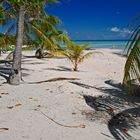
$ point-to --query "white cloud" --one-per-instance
(115, 29)
(124, 32)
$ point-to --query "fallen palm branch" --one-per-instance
(53, 80)
(4, 129)
(69, 126)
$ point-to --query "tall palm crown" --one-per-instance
(35, 20)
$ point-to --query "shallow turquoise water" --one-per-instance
(104, 43)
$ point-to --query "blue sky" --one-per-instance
(96, 19)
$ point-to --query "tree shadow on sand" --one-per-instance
(82, 85)
(119, 91)
(124, 122)
(6, 70)
(122, 54)
(65, 68)
(120, 116)
(60, 68)
(115, 89)
(115, 108)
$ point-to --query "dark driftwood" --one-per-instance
(54, 79)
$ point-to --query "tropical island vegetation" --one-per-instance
(49, 93)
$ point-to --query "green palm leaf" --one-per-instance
(76, 53)
(132, 65)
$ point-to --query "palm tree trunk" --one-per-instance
(75, 67)
(15, 75)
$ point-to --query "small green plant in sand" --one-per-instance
(76, 54)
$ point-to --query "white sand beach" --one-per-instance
(23, 107)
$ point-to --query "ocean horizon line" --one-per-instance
(98, 40)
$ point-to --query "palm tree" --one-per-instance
(15, 75)
(75, 53)
(131, 78)
(40, 33)
(21, 9)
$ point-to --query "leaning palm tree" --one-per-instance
(21, 9)
(132, 67)
(41, 32)
(75, 53)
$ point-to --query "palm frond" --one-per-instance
(75, 53)
(132, 65)
(50, 45)
(87, 55)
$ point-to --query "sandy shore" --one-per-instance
(22, 107)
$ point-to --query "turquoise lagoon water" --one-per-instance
(116, 44)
